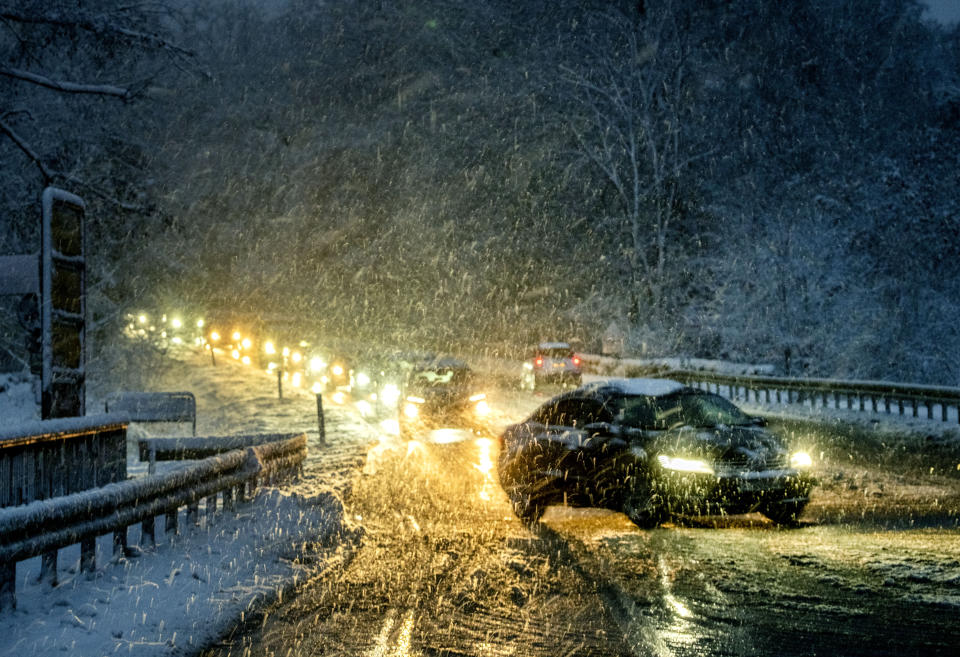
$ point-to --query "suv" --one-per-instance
(551, 362)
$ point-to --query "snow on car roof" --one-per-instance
(652, 387)
(553, 345)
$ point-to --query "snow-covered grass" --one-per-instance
(181, 594)
(191, 588)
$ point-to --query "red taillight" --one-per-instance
(539, 362)
(576, 361)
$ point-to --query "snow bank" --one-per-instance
(182, 594)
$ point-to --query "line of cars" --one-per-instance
(651, 448)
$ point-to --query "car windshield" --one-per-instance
(696, 410)
(440, 377)
(557, 353)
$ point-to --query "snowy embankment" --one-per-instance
(192, 588)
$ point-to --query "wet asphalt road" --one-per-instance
(443, 568)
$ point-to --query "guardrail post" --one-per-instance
(48, 568)
(228, 498)
(148, 531)
(120, 542)
(279, 383)
(172, 524)
(193, 513)
(88, 554)
(8, 586)
(211, 508)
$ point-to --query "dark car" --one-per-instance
(551, 362)
(441, 394)
(651, 448)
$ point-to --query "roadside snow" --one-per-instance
(191, 588)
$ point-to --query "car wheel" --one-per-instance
(526, 509)
(644, 509)
(785, 514)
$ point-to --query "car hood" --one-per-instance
(741, 445)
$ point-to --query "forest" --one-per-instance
(766, 182)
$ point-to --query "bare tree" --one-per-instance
(55, 50)
(633, 92)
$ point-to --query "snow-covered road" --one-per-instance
(394, 547)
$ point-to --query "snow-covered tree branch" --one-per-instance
(65, 86)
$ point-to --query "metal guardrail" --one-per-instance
(186, 449)
(42, 527)
(49, 458)
(875, 396)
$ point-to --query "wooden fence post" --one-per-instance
(321, 422)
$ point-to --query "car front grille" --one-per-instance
(744, 462)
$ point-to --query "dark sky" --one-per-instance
(946, 11)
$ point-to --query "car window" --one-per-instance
(556, 353)
(693, 409)
(572, 413)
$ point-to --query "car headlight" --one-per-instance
(411, 410)
(482, 408)
(363, 379)
(801, 460)
(684, 465)
(390, 394)
(337, 370)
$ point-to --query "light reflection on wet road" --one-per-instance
(445, 569)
